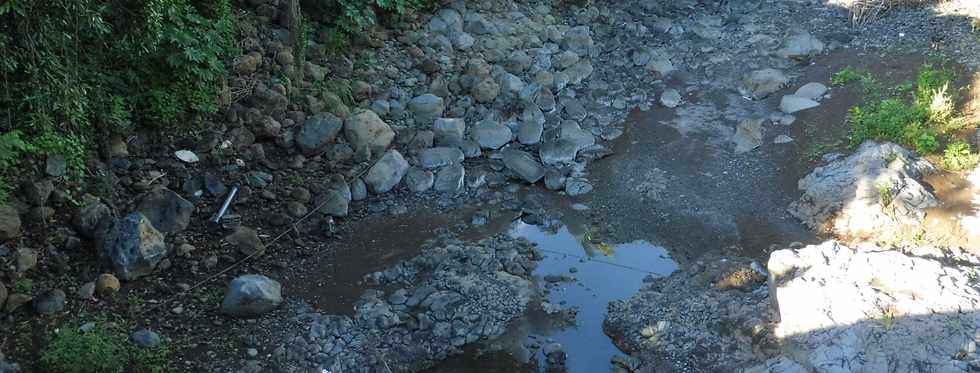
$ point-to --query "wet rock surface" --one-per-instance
(695, 320)
(453, 294)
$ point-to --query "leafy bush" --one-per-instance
(847, 75)
(959, 156)
(105, 348)
(74, 71)
(919, 122)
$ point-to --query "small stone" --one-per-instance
(387, 172)
(450, 179)
(247, 241)
(491, 134)
(670, 98)
(296, 209)
(56, 165)
(251, 295)
(419, 180)
(577, 187)
(106, 285)
(426, 108)
(813, 91)
(440, 156)
(792, 103)
(186, 156)
(167, 210)
(317, 133)
(185, 249)
(86, 291)
(761, 83)
(145, 338)
(448, 131)
(523, 165)
(748, 135)
(15, 301)
(9, 223)
(782, 139)
(50, 302)
(25, 259)
(358, 190)
(365, 130)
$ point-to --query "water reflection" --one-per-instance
(603, 272)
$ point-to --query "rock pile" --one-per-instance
(453, 294)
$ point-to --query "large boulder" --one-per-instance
(869, 309)
(387, 172)
(449, 131)
(251, 296)
(872, 193)
(317, 132)
(364, 129)
(167, 210)
(133, 246)
(9, 223)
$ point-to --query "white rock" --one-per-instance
(867, 308)
(792, 103)
(813, 91)
(670, 98)
(748, 135)
(870, 194)
(782, 139)
(186, 156)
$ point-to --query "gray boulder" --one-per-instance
(449, 131)
(365, 130)
(145, 338)
(872, 193)
(426, 108)
(419, 180)
(251, 295)
(167, 210)
(792, 103)
(450, 179)
(801, 45)
(748, 135)
(133, 246)
(761, 83)
(446, 22)
(579, 40)
(91, 216)
(491, 134)
(9, 223)
(334, 203)
(813, 91)
(50, 302)
(317, 132)
(440, 156)
(523, 165)
(529, 132)
(387, 172)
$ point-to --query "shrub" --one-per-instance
(104, 348)
(959, 156)
(74, 71)
(919, 122)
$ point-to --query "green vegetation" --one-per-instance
(885, 193)
(848, 75)
(75, 71)
(924, 121)
(103, 348)
(959, 156)
(24, 285)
